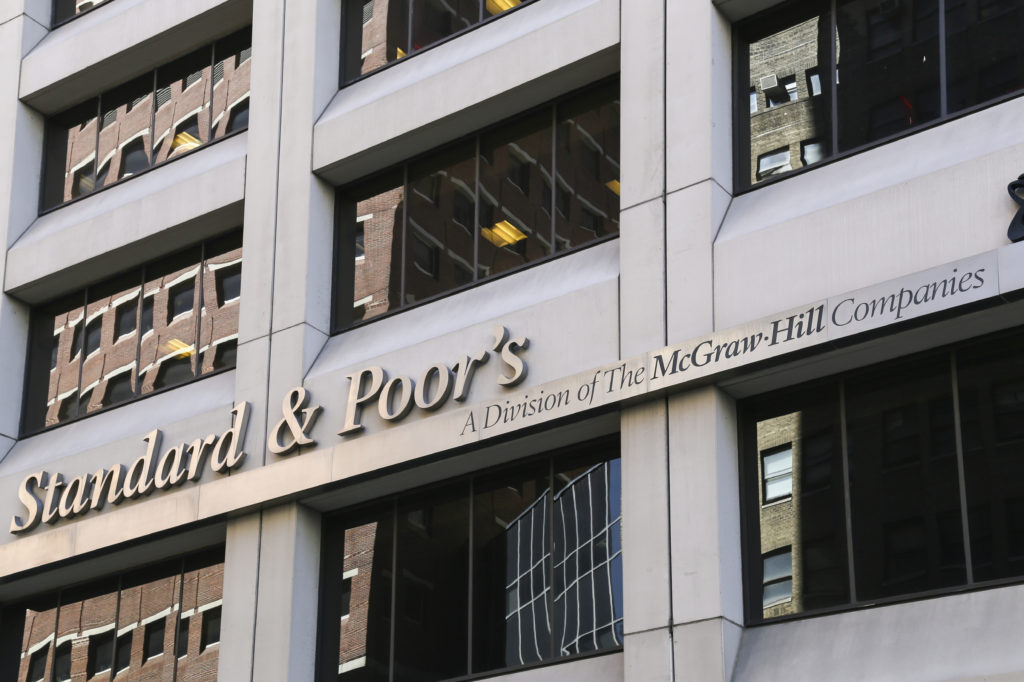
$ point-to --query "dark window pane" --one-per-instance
(991, 381)
(211, 628)
(364, 646)
(511, 512)
(376, 33)
(434, 20)
(182, 120)
(435, 243)
(93, 330)
(71, 154)
(55, 357)
(984, 52)
(515, 228)
(66, 9)
(900, 445)
(123, 659)
(62, 663)
(794, 480)
(588, 167)
(101, 653)
(885, 75)
(125, 142)
(230, 102)
(796, 108)
(181, 642)
(153, 641)
(432, 586)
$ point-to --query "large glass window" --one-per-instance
(168, 322)
(123, 626)
(379, 32)
(854, 487)
(833, 77)
(64, 10)
(494, 202)
(156, 117)
(505, 569)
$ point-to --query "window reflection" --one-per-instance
(378, 32)
(66, 9)
(546, 572)
(151, 119)
(135, 333)
(479, 208)
(126, 626)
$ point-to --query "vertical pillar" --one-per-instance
(241, 587)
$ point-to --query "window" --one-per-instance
(211, 629)
(878, 460)
(64, 10)
(544, 540)
(777, 474)
(101, 653)
(773, 162)
(194, 294)
(153, 640)
(811, 151)
(155, 117)
(378, 34)
(181, 643)
(473, 209)
(778, 578)
(91, 628)
(892, 65)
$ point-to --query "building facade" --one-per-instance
(386, 340)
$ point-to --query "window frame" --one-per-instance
(34, 362)
(343, 252)
(356, 13)
(777, 18)
(749, 468)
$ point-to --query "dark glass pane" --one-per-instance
(437, 245)
(222, 289)
(55, 357)
(110, 352)
(434, 20)
(888, 79)
(991, 381)
(66, 9)
(801, 534)
(586, 491)
(588, 167)
(984, 52)
(369, 225)
(902, 450)
(790, 95)
(515, 221)
(125, 145)
(511, 512)
(182, 641)
(364, 646)
(202, 590)
(231, 69)
(71, 154)
(153, 640)
(86, 630)
(167, 353)
(376, 33)
(183, 106)
(432, 586)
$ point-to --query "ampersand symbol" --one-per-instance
(1016, 190)
(292, 404)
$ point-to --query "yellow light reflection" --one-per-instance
(184, 142)
(179, 348)
(614, 186)
(499, 6)
(502, 234)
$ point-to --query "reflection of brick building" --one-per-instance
(164, 626)
(358, 590)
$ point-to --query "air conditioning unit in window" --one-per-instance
(769, 82)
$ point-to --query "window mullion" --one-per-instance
(846, 492)
(961, 475)
(833, 71)
(469, 585)
(943, 77)
(394, 588)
